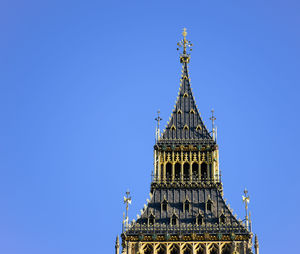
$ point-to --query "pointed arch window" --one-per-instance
(186, 127)
(203, 171)
(222, 219)
(164, 205)
(177, 171)
(173, 128)
(209, 205)
(148, 249)
(186, 206)
(185, 95)
(161, 249)
(179, 111)
(201, 249)
(199, 219)
(226, 249)
(151, 220)
(198, 128)
(187, 249)
(174, 220)
(186, 171)
(213, 249)
(192, 111)
(195, 172)
(174, 249)
(169, 171)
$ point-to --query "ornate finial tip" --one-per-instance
(184, 33)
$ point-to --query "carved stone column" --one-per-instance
(124, 247)
(129, 246)
(206, 249)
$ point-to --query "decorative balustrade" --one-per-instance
(158, 228)
(192, 180)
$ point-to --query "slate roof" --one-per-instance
(187, 219)
(186, 126)
(185, 122)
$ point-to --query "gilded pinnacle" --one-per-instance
(185, 44)
(184, 33)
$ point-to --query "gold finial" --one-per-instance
(158, 119)
(213, 118)
(246, 200)
(185, 44)
(127, 201)
(184, 33)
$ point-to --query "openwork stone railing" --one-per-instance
(136, 228)
(186, 182)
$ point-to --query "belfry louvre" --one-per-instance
(186, 213)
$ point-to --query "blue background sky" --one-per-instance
(80, 84)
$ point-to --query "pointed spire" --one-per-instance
(185, 122)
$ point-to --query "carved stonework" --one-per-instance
(185, 212)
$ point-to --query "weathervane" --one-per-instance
(158, 119)
(184, 43)
(246, 200)
(127, 201)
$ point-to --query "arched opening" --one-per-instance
(174, 249)
(222, 219)
(164, 205)
(208, 206)
(161, 249)
(195, 168)
(226, 249)
(187, 249)
(200, 249)
(169, 171)
(151, 220)
(204, 171)
(213, 249)
(148, 249)
(186, 171)
(174, 220)
(177, 171)
(161, 171)
(186, 206)
(199, 219)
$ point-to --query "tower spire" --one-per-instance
(185, 122)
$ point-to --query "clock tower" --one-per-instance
(186, 212)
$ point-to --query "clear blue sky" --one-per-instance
(80, 84)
